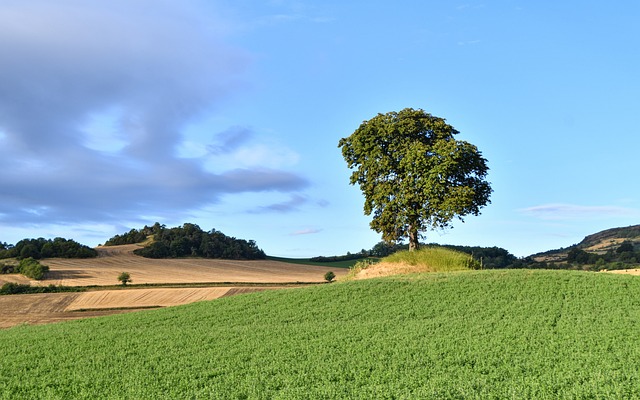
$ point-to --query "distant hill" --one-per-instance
(614, 248)
(610, 239)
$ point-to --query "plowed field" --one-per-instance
(113, 260)
(104, 270)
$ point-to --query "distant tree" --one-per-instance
(626, 246)
(30, 250)
(329, 276)
(414, 175)
(124, 278)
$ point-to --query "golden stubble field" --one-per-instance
(226, 277)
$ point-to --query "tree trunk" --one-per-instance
(413, 238)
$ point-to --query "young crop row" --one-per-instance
(478, 334)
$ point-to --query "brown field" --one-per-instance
(104, 270)
(633, 271)
(147, 298)
(41, 308)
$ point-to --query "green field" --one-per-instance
(475, 334)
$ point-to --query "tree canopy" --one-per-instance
(414, 174)
(46, 248)
(188, 240)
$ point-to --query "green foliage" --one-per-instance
(47, 248)
(329, 276)
(32, 268)
(17, 288)
(346, 257)
(191, 241)
(125, 278)
(414, 175)
(496, 334)
(8, 268)
(487, 257)
(135, 235)
(624, 257)
(625, 246)
(437, 259)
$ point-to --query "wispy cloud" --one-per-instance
(560, 211)
(309, 231)
(293, 204)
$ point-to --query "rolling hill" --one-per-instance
(597, 243)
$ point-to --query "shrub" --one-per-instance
(329, 276)
(124, 278)
(31, 268)
(16, 288)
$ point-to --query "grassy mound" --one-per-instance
(481, 334)
(427, 259)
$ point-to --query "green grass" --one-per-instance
(497, 334)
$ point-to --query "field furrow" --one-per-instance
(104, 270)
(141, 298)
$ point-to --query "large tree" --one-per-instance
(414, 175)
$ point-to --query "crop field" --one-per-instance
(104, 270)
(42, 308)
(112, 260)
(519, 334)
(146, 298)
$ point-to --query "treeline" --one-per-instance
(188, 240)
(29, 267)
(487, 257)
(17, 288)
(46, 248)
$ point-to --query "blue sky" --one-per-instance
(116, 114)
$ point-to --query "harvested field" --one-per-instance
(104, 270)
(146, 298)
(634, 271)
(112, 260)
(45, 308)
(41, 309)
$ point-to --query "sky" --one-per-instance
(227, 114)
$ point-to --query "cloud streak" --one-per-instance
(559, 211)
(143, 70)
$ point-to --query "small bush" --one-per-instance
(7, 269)
(329, 276)
(31, 268)
(124, 278)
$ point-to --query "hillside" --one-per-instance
(599, 243)
(610, 239)
(476, 334)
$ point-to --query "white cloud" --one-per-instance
(560, 211)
